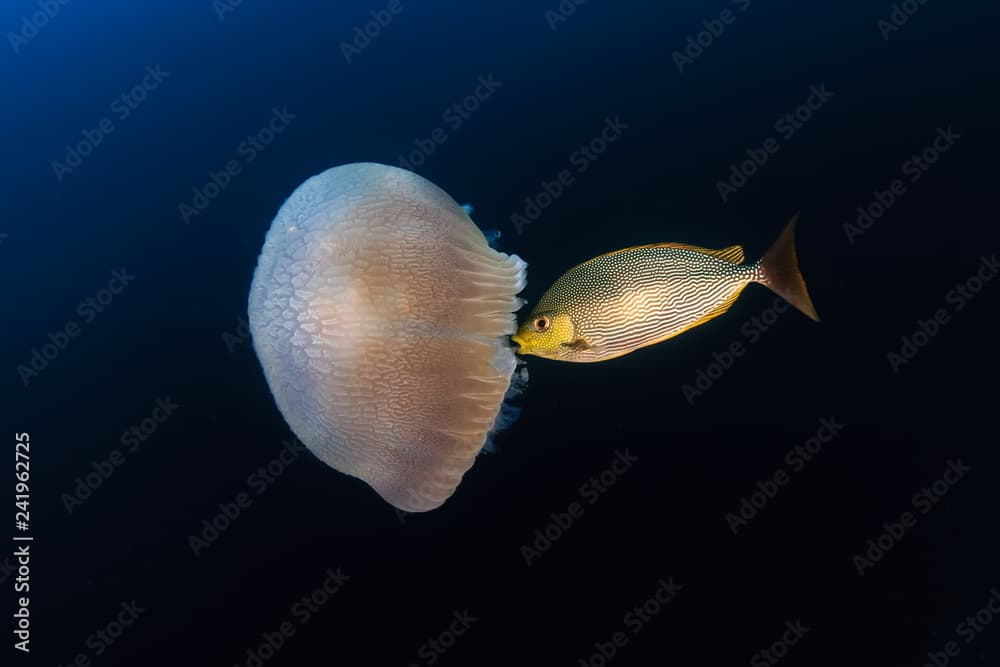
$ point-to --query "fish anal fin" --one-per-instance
(715, 312)
(711, 315)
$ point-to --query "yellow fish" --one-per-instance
(619, 302)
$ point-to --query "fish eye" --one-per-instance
(542, 324)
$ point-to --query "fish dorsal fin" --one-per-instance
(733, 253)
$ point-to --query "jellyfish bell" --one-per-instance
(380, 316)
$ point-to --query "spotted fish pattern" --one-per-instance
(621, 301)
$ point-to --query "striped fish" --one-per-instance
(619, 302)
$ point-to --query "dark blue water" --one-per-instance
(147, 147)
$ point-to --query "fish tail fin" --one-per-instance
(779, 270)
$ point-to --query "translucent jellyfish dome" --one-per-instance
(380, 316)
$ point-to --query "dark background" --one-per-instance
(174, 332)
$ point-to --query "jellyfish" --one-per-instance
(380, 316)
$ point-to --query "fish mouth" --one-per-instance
(521, 345)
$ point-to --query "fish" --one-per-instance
(621, 301)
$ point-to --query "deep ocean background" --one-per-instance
(174, 332)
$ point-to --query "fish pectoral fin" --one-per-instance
(578, 344)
